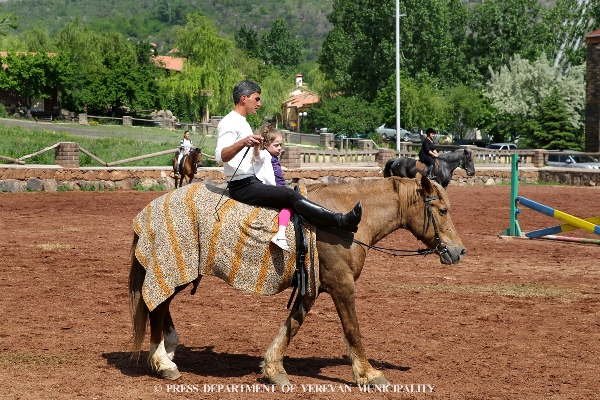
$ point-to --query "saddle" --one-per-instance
(422, 167)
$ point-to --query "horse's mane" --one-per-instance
(407, 189)
(453, 155)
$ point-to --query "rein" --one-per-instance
(428, 218)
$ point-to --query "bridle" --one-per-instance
(464, 162)
(440, 248)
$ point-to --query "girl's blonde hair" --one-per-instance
(269, 134)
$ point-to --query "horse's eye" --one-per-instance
(443, 211)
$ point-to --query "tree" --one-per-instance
(32, 75)
(422, 104)
(247, 40)
(427, 39)
(127, 82)
(345, 115)
(279, 49)
(357, 54)
(467, 109)
(500, 29)
(38, 39)
(550, 128)
(518, 89)
(170, 11)
(7, 20)
(209, 73)
(199, 42)
(569, 21)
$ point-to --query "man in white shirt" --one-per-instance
(235, 134)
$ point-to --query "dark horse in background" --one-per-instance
(189, 166)
(447, 163)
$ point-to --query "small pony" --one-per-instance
(189, 166)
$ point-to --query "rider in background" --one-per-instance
(185, 146)
(267, 169)
(428, 153)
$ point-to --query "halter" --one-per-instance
(440, 248)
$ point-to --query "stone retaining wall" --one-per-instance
(18, 178)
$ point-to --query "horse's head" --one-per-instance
(428, 218)
(467, 164)
(196, 155)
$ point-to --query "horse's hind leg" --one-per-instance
(171, 338)
(159, 358)
(272, 367)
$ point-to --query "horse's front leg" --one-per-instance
(272, 368)
(343, 299)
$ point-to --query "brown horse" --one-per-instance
(189, 166)
(389, 204)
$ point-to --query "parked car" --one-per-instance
(355, 135)
(502, 146)
(572, 160)
(405, 135)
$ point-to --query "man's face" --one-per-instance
(252, 103)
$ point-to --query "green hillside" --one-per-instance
(152, 20)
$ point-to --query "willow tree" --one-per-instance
(208, 76)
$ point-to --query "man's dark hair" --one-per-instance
(428, 131)
(244, 88)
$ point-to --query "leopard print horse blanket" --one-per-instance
(182, 236)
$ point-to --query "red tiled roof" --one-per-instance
(593, 37)
(170, 63)
(302, 100)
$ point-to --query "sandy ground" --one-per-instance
(515, 319)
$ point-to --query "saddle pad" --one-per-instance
(181, 236)
(421, 166)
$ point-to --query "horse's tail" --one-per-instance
(137, 307)
(387, 171)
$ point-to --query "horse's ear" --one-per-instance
(427, 186)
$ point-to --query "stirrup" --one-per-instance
(281, 243)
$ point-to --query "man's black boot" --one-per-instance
(322, 217)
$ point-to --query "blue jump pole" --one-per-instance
(569, 219)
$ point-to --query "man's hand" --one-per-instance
(228, 153)
(252, 140)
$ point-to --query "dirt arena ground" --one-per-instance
(515, 319)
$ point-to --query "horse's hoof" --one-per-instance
(379, 381)
(170, 374)
(279, 379)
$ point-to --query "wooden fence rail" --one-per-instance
(481, 156)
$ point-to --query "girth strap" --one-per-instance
(300, 277)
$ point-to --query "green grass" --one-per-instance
(116, 143)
